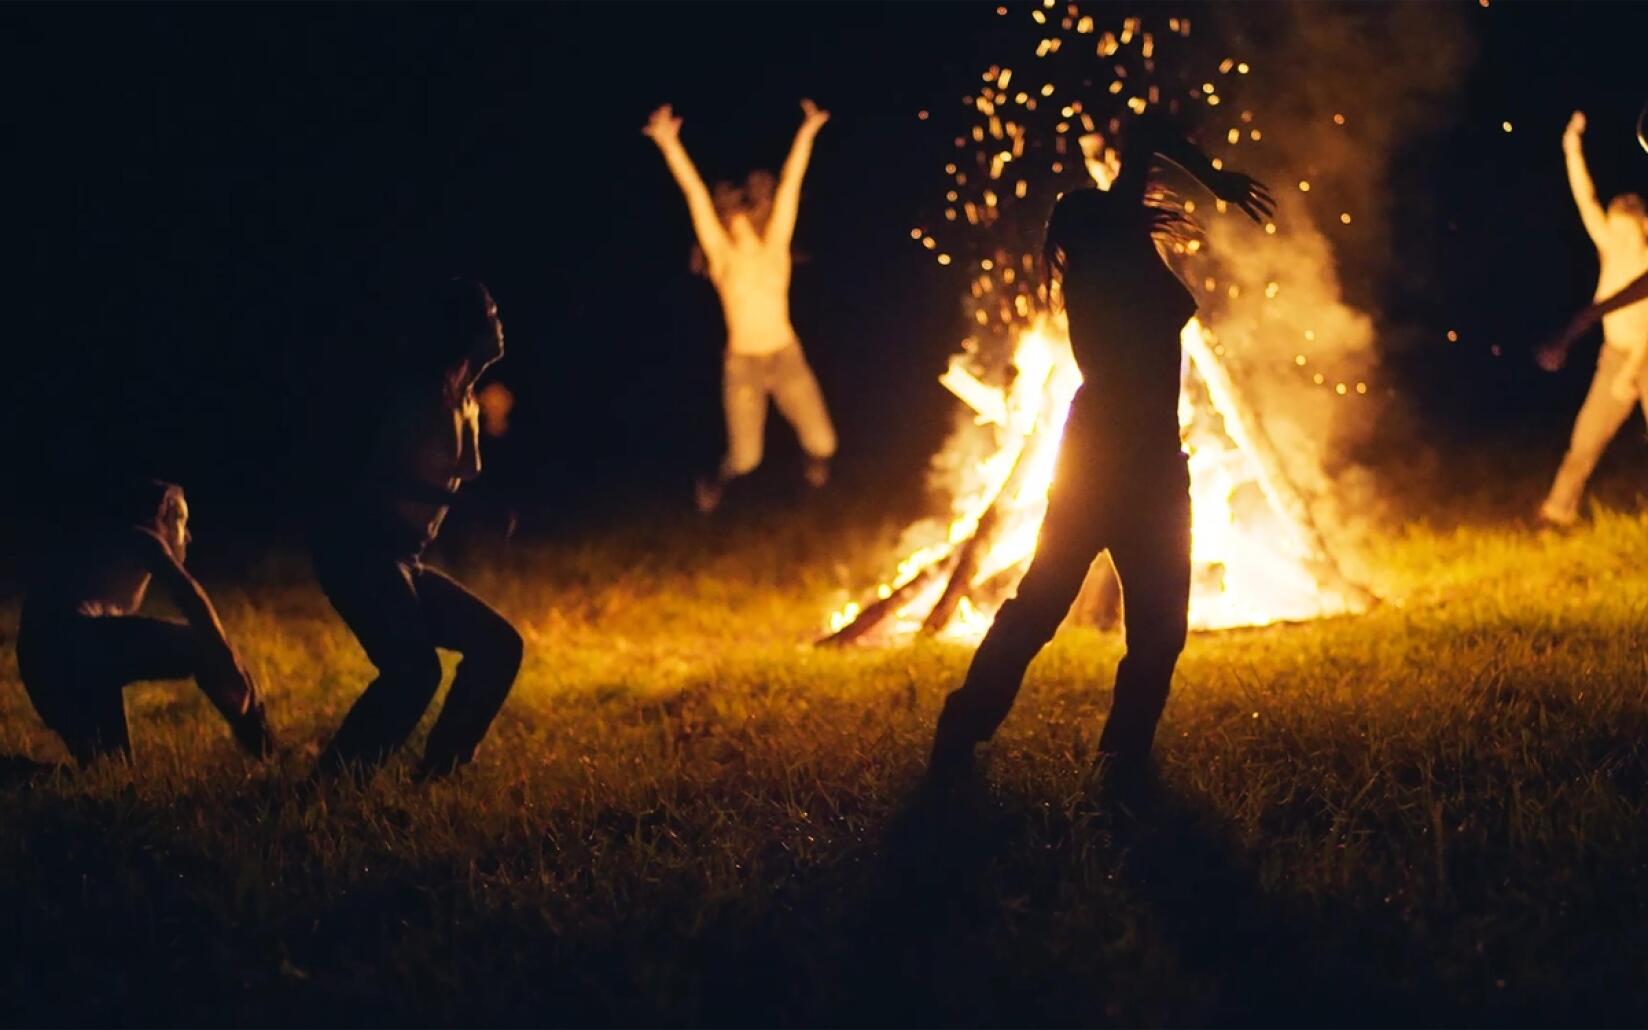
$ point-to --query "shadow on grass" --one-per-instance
(20, 771)
(1167, 923)
(996, 906)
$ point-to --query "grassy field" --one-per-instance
(1431, 813)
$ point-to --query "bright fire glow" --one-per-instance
(1251, 564)
(1258, 555)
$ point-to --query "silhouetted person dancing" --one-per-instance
(80, 641)
(368, 556)
(1621, 383)
(745, 237)
(1122, 481)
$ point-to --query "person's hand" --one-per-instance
(1551, 357)
(1575, 129)
(223, 668)
(1250, 195)
(226, 676)
(663, 126)
(813, 116)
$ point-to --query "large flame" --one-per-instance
(1258, 553)
(1252, 564)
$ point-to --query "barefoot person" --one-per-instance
(745, 237)
(1122, 481)
(368, 556)
(81, 642)
(1621, 383)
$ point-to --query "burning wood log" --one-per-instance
(962, 563)
(978, 545)
(1246, 431)
(872, 616)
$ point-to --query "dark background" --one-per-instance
(197, 193)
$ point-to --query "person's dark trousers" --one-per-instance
(75, 669)
(401, 611)
(1142, 515)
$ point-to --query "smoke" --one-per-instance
(1337, 95)
(1391, 70)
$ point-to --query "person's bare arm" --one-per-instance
(1554, 354)
(664, 129)
(222, 674)
(1579, 180)
(1155, 136)
(1634, 292)
(787, 198)
(184, 590)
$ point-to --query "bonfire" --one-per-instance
(1260, 552)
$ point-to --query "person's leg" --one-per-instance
(86, 711)
(1022, 627)
(744, 396)
(79, 667)
(172, 650)
(1069, 541)
(799, 400)
(1599, 419)
(491, 649)
(1152, 556)
(376, 598)
(96, 726)
(744, 402)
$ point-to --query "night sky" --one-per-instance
(199, 191)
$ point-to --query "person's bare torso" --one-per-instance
(1621, 265)
(429, 447)
(753, 281)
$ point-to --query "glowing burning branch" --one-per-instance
(989, 528)
(1250, 437)
(863, 622)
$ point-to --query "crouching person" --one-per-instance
(368, 556)
(80, 642)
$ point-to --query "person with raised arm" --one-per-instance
(1122, 481)
(368, 550)
(81, 641)
(744, 236)
(1620, 233)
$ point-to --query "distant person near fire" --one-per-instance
(1122, 481)
(744, 235)
(1620, 233)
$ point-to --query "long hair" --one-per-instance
(117, 503)
(1087, 221)
(396, 338)
(433, 328)
(753, 200)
